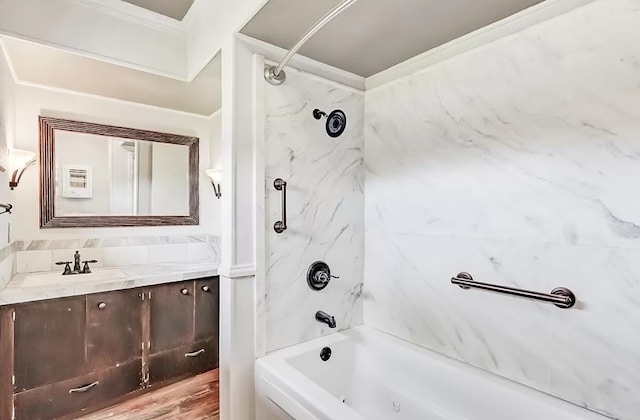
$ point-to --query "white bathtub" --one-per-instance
(380, 377)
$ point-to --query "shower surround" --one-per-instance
(325, 202)
(516, 162)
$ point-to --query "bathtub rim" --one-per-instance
(276, 365)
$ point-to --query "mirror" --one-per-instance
(95, 175)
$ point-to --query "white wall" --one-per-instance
(170, 179)
(208, 27)
(7, 118)
(112, 34)
(33, 101)
(324, 208)
(92, 151)
(516, 162)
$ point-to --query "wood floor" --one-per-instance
(192, 399)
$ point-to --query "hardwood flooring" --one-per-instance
(192, 399)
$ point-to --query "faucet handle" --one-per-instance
(85, 267)
(67, 267)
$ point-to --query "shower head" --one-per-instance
(336, 121)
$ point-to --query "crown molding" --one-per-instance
(135, 14)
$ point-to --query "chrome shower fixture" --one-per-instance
(336, 121)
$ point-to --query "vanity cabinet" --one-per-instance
(184, 329)
(71, 353)
(74, 354)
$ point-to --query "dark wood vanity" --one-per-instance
(78, 354)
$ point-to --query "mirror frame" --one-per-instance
(48, 219)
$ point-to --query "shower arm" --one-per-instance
(275, 74)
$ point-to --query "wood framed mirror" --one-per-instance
(95, 175)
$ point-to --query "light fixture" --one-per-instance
(19, 161)
(216, 178)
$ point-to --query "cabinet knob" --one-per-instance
(102, 305)
(205, 289)
(184, 291)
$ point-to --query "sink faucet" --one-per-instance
(76, 262)
(76, 265)
(324, 317)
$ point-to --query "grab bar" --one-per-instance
(560, 296)
(281, 185)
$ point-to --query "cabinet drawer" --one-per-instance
(184, 361)
(55, 400)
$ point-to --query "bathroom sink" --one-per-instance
(49, 279)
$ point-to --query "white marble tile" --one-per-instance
(126, 255)
(324, 209)
(200, 252)
(532, 137)
(33, 261)
(167, 253)
(516, 162)
(6, 271)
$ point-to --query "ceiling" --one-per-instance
(49, 66)
(175, 9)
(373, 35)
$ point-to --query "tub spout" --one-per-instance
(326, 319)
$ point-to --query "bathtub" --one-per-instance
(374, 376)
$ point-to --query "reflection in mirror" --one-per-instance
(99, 175)
(109, 176)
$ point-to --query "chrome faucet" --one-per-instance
(325, 318)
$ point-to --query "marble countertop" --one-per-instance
(134, 276)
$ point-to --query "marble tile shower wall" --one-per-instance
(517, 162)
(325, 209)
(41, 255)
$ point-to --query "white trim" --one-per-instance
(512, 24)
(135, 14)
(214, 113)
(260, 244)
(12, 69)
(94, 56)
(237, 271)
(110, 99)
(305, 64)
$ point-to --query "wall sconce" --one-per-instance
(215, 175)
(19, 161)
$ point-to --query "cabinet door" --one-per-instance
(172, 307)
(49, 341)
(207, 314)
(114, 328)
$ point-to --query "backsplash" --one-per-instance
(516, 162)
(324, 205)
(7, 263)
(41, 255)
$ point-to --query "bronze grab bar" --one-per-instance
(560, 296)
(281, 185)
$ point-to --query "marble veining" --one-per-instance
(324, 206)
(7, 266)
(136, 276)
(115, 241)
(517, 163)
(110, 252)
